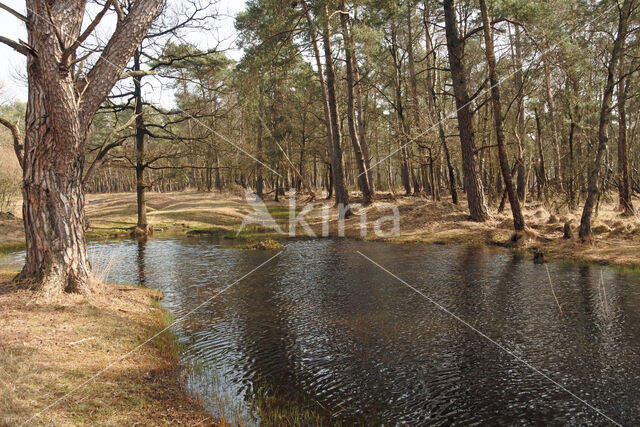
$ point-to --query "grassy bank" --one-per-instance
(50, 348)
(616, 240)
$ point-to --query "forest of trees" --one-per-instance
(483, 102)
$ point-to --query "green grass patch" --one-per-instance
(7, 248)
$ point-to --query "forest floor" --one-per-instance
(50, 350)
(616, 240)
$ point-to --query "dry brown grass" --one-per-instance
(50, 347)
(616, 239)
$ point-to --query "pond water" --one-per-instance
(321, 330)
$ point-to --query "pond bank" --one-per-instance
(616, 240)
(49, 349)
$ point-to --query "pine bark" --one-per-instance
(472, 181)
(605, 113)
(337, 161)
(518, 219)
(624, 191)
(57, 121)
(363, 172)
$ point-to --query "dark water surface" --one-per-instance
(321, 328)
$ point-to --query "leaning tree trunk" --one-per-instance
(605, 112)
(57, 121)
(472, 181)
(518, 219)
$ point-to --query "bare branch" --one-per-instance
(138, 73)
(17, 139)
(18, 47)
(115, 56)
(14, 13)
(86, 33)
(108, 147)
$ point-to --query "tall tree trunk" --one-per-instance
(605, 112)
(403, 130)
(518, 219)
(337, 161)
(325, 96)
(142, 227)
(473, 182)
(57, 122)
(362, 129)
(218, 178)
(575, 147)
(259, 148)
(521, 131)
(416, 125)
(542, 173)
(436, 113)
(552, 117)
(624, 192)
(363, 173)
(432, 101)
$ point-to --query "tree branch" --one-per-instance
(53, 25)
(17, 139)
(138, 73)
(14, 13)
(21, 48)
(126, 38)
(86, 33)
